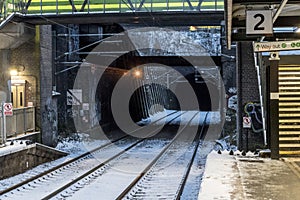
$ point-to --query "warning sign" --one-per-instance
(8, 109)
(246, 122)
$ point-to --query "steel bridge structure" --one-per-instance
(157, 12)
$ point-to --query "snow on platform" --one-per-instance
(8, 148)
(220, 180)
(248, 177)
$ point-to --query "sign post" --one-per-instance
(3, 125)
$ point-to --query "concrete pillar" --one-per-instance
(4, 76)
(48, 104)
(4, 89)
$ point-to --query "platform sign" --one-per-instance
(8, 109)
(276, 46)
(259, 22)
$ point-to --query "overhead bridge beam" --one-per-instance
(175, 18)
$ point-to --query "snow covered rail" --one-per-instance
(75, 176)
(62, 172)
(166, 175)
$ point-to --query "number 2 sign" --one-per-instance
(259, 22)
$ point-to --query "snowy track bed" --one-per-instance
(40, 187)
(167, 174)
(132, 168)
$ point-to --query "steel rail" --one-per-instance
(197, 140)
(7, 190)
(154, 161)
(74, 181)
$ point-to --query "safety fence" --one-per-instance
(22, 121)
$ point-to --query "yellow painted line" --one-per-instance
(289, 88)
(289, 115)
(289, 126)
(289, 133)
(289, 68)
(289, 73)
(289, 103)
(289, 83)
(289, 109)
(289, 145)
(288, 98)
(289, 138)
(289, 152)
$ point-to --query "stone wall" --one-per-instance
(27, 158)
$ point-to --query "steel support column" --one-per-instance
(273, 114)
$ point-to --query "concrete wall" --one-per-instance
(48, 108)
(27, 158)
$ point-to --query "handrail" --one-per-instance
(22, 121)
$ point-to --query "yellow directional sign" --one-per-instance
(276, 46)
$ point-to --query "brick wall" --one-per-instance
(248, 92)
(26, 158)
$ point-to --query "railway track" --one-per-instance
(68, 173)
(153, 169)
(166, 175)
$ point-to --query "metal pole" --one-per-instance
(273, 109)
(3, 127)
(1, 124)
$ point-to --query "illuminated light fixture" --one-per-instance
(13, 72)
(193, 28)
(297, 30)
(137, 73)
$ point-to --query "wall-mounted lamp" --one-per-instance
(14, 71)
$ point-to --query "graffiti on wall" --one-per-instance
(253, 111)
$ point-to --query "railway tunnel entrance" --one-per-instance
(153, 74)
(156, 87)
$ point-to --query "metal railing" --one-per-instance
(22, 121)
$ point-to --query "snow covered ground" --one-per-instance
(75, 148)
(121, 175)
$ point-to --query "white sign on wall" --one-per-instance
(74, 97)
(259, 22)
(247, 122)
